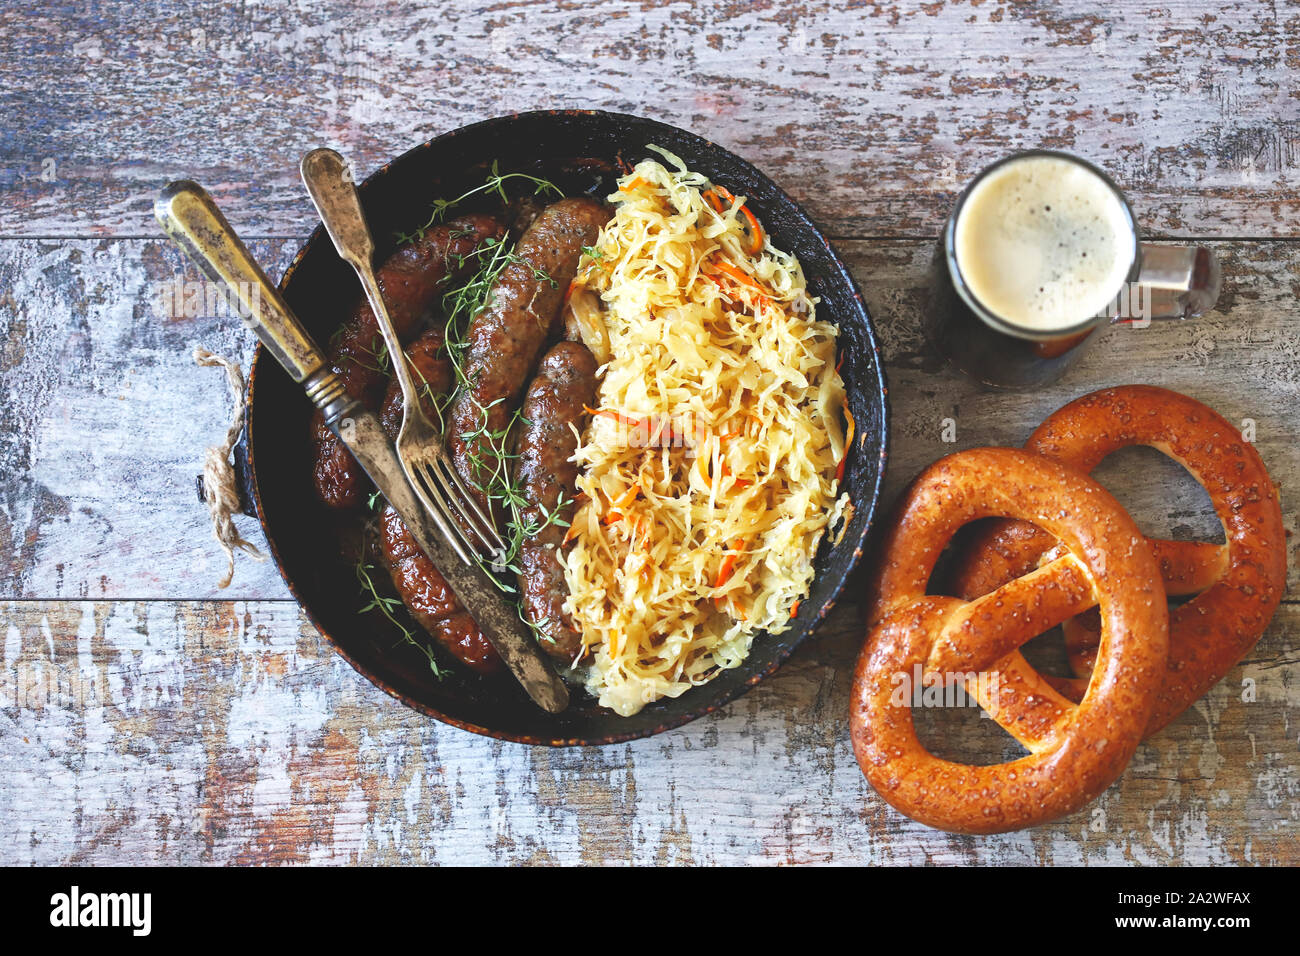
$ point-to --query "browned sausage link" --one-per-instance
(339, 480)
(429, 599)
(565, 382)
(434, 378)
(504, 340)
(412, 279)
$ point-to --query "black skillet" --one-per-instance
(317, 552)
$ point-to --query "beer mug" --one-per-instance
(1040, 251)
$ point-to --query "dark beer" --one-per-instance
(1037, 253)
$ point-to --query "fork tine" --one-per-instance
(495, 553)
(436, 501)
(448, 526)
(463, 497)
(478, 540)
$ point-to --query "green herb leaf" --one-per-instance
(495, 185)
(385, 604)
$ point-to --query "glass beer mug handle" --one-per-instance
(1174, 282)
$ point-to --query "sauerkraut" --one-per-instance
(708, 474)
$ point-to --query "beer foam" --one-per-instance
(1043, 243)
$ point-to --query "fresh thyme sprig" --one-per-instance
(492, 456)
(378, 352)
(538, 629)
(495, 479)
(494, 184)
(385, 605)
(464, 303)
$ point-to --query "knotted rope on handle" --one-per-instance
(220, 490)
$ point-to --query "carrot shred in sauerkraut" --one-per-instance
(691, 543)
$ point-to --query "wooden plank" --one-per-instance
(103, 416)
(103, 419)
(871, 114)
(145, 732)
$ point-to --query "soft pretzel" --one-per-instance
(1238, 584)
(1076, 750)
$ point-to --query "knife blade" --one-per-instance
(191, 219)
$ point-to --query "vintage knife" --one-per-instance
(192, 220)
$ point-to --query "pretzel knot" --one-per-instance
(1076, 750)
(1238, 584)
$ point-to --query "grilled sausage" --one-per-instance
(565, 382)
(434, 378)
(421, 588)
(429, 599)
(411, 279)
(505, 339)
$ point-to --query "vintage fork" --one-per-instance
(419, 443)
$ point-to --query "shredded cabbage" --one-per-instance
(708, 473)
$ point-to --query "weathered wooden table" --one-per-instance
(146, 716)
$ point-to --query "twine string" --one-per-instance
(220, 488)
